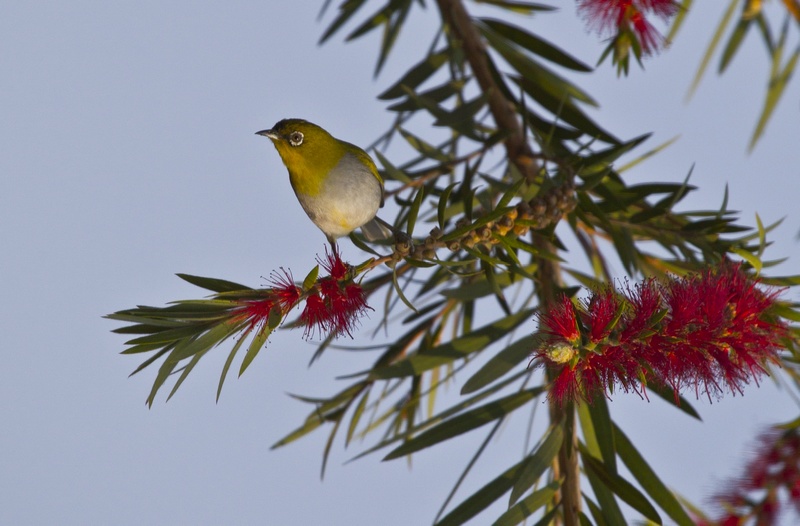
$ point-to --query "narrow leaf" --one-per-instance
(535, 45)
(527, 506)
(258, 342)
(465, 422)
(213, 284)
(622, 488)
(502, 362)
(455, 349)
(537, 463)
(483, 498)
(648, 479)
(416, 75)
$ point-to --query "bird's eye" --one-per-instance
(296, 138)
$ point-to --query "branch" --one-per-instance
(503, 111)
(521, 155)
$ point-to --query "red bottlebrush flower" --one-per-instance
(770, 479)
(283, 295)
(565, 386)
(708, 331)
(333, 264)
(336, 303)
(561, 322)
(600, 312)
(284, 289)
(257, 311)
(315, 315)
(628, 17)
(345, 308)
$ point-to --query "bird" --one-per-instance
(336, 182)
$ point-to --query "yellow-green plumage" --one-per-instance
(337, 183)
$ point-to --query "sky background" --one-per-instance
(129, 154)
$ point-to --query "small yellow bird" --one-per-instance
(337, 183)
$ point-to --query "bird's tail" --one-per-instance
(377, 229)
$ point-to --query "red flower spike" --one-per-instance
(333, 264)
(769, 480)
(257, 311)
(565, 385)
(346, 307)
(628, 16)
(286, 293)
(336, 303)
(707, 331)
(560, 322)
(315, 316)
(602, 308)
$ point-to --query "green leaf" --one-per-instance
(563, 109)
(603, 429)
(329, 443)
(465, 422)
(491, 279)
(354, 420)
(537, 463)
(311, 278)
(164, 337)
(502, 362)
(527, 506)
(712, 46)
(392, 32)
(442, 206)
(258, 342)
(524, 8)
(433, 96)
(416, 75)
(608, 512)
(483, 498)
(423, 147)
(213, 284)
(188, 348)
(391, 170)
(461, 119)
(229, 360)
(621, 487)
(751, 258)
(734, 42)
(399, 290)
(347, 9)
(778, 82)
(535, 44)
(325, 410)
(678, 401)
(414, 210)
(453, 350)
(648, 479)
(442, 416)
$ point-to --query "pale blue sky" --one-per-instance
(129, 154)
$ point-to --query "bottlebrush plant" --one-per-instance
(514, 204)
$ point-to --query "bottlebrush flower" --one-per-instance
(628, 19)
(315, 315)
(770, 479)
(333, 303)
(283, 294)
(709, 331)
(336, 302)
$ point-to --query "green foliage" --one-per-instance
(754, 15)
(483, 209)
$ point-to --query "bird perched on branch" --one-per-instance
(337, 183)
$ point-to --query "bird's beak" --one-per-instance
(268, 133)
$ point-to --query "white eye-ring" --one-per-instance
(295, 138)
